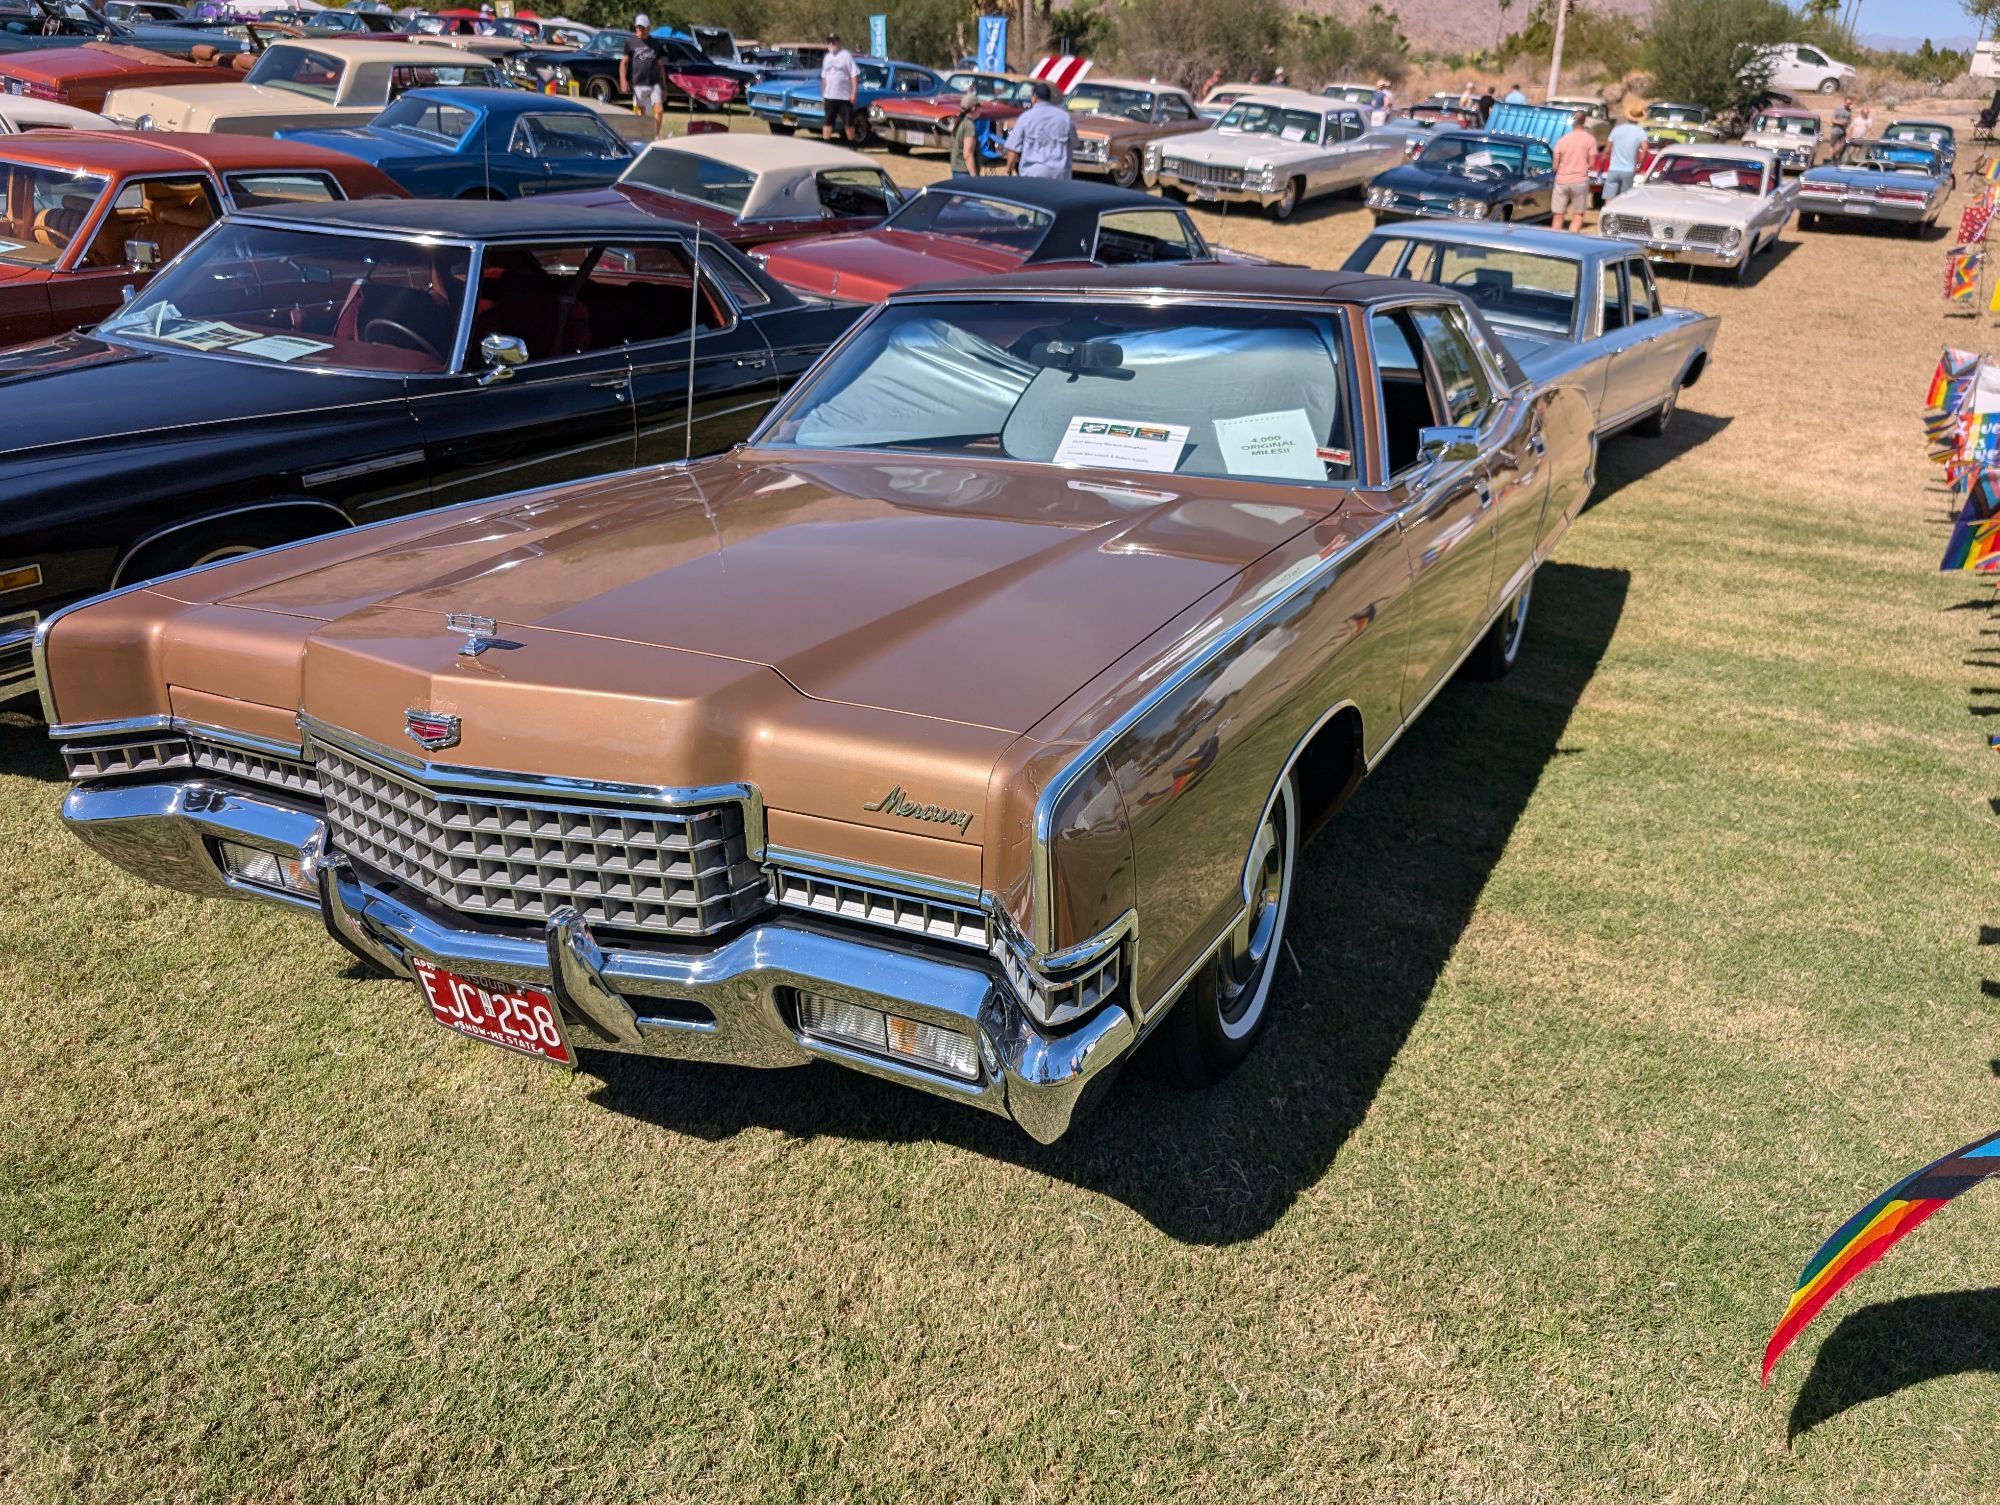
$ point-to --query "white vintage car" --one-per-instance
(1714, 206)
(303, 83)
(1276, 148)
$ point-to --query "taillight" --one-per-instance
(32, 89)
(1902, 195)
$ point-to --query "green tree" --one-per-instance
(1607, 38)
(1707, 51)
(1323, 48)
(1181, 40)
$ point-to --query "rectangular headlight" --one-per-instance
(862, 1028)
(265, 869)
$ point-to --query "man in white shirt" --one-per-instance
(837, 78)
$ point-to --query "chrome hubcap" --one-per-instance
(1517, 622)
(1248, 953)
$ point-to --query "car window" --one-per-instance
(165, 213)
(579, 299)
(912, 83)
(1466, 394)
(298, 70)
(568, 137)
(1408, 406)
(1133, 236)
(250, 189)
(428, 119)
(747, 294)
(1813, 59)
(1686, 170)
(42, 210)
(1541, 159)
(646, 293)
(1273, 120)
(1106, 99)
(1645, 297)
(698, 179)
(857, 192)
(1385, 253)
(1174, 107)
(872, 76)
(1509, 285)
(973, 216)
(445, 75)
(1480, 158)
(1613, 300)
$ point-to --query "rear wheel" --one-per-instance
(228, 538)
(601, 89)
(784, 130)
(1218, 1019)
(1500, 649)
(1125, 169)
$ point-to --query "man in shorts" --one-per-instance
(640, 73)
(1575, 151)
(837, 78)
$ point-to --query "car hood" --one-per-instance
(977, 594)
(195, 107)
(869, 265)
(364, 142)
(1411, 178)
(1703, 205)
(1237, 149)
(1113, 128)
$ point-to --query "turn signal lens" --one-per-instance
(858, 1026)
(265, 869)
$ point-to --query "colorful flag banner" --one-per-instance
(1869, 1234)
(1954, 366)
(1973, 222)
(1973, 545)
(1961, 274)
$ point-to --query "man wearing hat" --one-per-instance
(1043, 141)
(639, 73)
(1628, 139)
(837, 78)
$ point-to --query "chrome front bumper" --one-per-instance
(1683, 253)
(647, 1001)
(1233, 193)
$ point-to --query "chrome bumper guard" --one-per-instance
(17, 661)
(647, 1001)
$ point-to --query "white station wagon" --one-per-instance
(1712, 206)
(1276, 148)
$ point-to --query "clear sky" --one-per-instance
(1913, 18)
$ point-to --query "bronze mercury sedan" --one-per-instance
(962, 728)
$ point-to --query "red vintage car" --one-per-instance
(929, 120)
(82, 76)
(86, 214)
(748, 190)
(982, 226)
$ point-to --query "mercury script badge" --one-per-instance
(478, 632)
(896, 803)
(431, 730)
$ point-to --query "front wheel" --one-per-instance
(1500, 649)
(1218, 1019)
(1125, 170)
(1829, 86)
(784, 130)
(1654, 424)
(601, 89)
(1287, 202)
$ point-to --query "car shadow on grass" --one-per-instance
(1891, 1346)
(1381, 901)
(1628, 457)
(25, 748)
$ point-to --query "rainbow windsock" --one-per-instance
(1871, 1232)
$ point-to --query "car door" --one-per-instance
(702, 375)
(1444, 513)
(146, 223)
(1623, 340)
(562, 414)
(1663, 349)
(1538, 198)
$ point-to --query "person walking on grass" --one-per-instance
(1575, 151)
(1043, 141)
(639, 73)
(837, 78)
(1843, 117)
(1627, 140)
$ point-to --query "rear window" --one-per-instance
(428, 119)
(698, 179)
(251, 189)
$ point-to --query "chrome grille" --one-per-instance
(1204, 172)
(289, 774)
(1089, 149)
(1058, 1000)
(664, 872)
(1626, 224)
(866, 904)
(1705, 235)
(112, 760)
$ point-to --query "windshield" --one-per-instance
(1273, 120)
(1935, 135)
(1354, 94)
(45, 207)
(971, 216)
(696, 179)
(1473, 157)
(1676, 114)
(1089, 383)
(1682, 170)
(257, 293)
(1787, 125)
(1884, 156)
(1510, 286)
(428, 119)
(298, 70)
(1104, 99)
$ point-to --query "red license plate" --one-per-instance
(519, 1018)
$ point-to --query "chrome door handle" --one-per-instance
(753, 360)
(606, 386)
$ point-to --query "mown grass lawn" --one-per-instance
(1619, 987)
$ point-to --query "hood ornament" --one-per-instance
(478, 632)
(430, 730)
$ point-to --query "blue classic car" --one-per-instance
(1469, 175)
(1902, 182)
(789, 105)
(1573, 310)
(482, 143)
(1932, 133)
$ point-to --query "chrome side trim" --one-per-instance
(1041, 932)
(76, 731)
(361, 468)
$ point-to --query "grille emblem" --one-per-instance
(431, 730)
(478, 632)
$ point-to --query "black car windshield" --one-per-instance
(697, 179)
(44, 208)
(1477, 157)
(1886, 156)
(1686, 170)
(1106, 99)
(254, 292)
(1219, 390)
(1273, 120)
(427, 119)
(973, 216)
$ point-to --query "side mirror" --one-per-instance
(142, 255)
(502, 353)
(1448, 445)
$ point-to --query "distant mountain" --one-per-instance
(1961, 40)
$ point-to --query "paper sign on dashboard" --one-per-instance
(1271, 445)
(281, 347)
(1722, 180)
(1293, 132)
(1116, 444)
